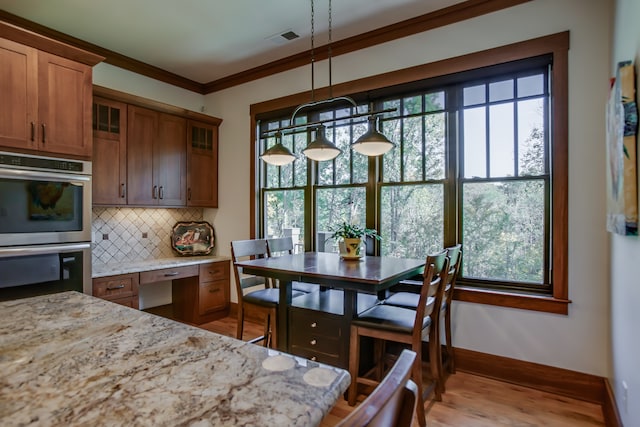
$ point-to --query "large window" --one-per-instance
(472, 164)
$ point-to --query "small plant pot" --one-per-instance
(351, 248)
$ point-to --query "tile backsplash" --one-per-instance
(135, 234)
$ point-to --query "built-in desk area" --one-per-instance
(199, 289)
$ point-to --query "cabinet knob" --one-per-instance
(314, 325)
(313, 358)
(313, 342)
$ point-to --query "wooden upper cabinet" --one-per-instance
(109, 152)
(156, 158)
(202, 177)
(19, 88)
(46, 102)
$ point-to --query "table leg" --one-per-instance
(283, 315)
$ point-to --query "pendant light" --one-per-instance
(321, 148)
(372, 143)
(278, 155)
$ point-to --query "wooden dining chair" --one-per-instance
(409, 297)
(263, 299)
(284, 245)
(407, 326)
(393, 402)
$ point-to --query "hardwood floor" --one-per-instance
(470, 400)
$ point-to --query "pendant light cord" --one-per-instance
(313, 53)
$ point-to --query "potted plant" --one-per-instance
(351, 236)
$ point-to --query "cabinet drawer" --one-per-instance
(128, 301)
(214, 271)
(212, 297)
(306, 322)
(112, 287)
(329, 359)
(168, 274)
(319, 343)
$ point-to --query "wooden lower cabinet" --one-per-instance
(318, 336)
(205, 297)
(121, 289)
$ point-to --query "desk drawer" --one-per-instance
(212, 297)
(333, 360)
(168, 274)
(112, 287)
(319, 343)
(214, 271)
(306, 322)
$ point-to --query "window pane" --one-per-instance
(391, 159)
(286, 171)
(412, 105)
(412, 155)
(394, 103)
(284, 214)
(501, 150)
(434, 132)
(360, 161)
(474, 95)
(531, 85)
(434, 101)
(500, 91)
(412, 220)
(531, 137)
(335, 205)
(300, 163)
(343, 161)
(503, 231)
(475, 140)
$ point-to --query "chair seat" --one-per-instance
(267, 297)
(305, 287)
(391, 318)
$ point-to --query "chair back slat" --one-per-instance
(431, 292)
(279, 245)
(454, 253)
(243, 249)
(393, 401)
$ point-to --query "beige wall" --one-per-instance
(578, 341)
(625, 251)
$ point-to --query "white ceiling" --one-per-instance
(205, 40)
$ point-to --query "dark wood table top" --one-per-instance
(369, 274)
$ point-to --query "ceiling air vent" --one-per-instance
(283, 37)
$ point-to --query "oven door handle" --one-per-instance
(42, 249)
(42, 175)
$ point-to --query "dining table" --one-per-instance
(70, 359)
(368, 275)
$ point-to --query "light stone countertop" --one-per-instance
(74, 360)
(113, 269)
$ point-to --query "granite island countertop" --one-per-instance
(125, 267)
(71, 359)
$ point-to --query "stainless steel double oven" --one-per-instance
(45, 225)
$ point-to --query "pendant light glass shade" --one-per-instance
(278, 155)
(372, 143)
(321, 148)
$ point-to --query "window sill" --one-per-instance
(512, 300)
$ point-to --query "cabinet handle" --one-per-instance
(213, 291)
(113, 288)
(174, 273)
(161, 192)
(313, 342)
(189, 194)
(155, 191)
(123, 189)
(44, 135)
(33, 131)
(314, 325)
